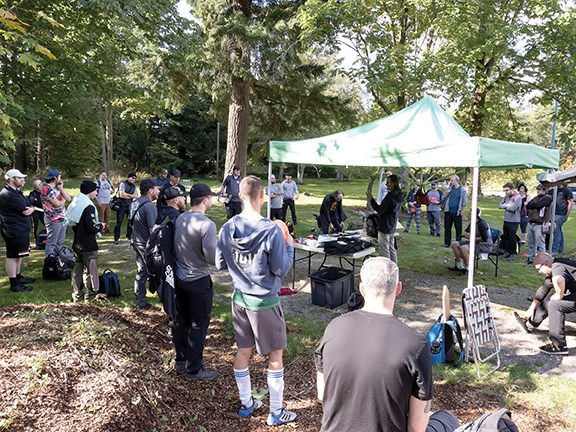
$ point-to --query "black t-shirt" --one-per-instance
(374, 362)
(12, 204)
(566, 268)
(564, 194)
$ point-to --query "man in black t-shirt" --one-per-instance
(560, 276)
(375, 372)
(15, 226)
(231, 188)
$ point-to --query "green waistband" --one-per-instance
(254, 303)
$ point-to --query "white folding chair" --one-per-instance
(481, 334)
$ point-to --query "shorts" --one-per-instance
(266, 329)
(17, 247)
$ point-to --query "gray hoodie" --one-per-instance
(255, 253)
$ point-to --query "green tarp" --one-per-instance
(421, 135)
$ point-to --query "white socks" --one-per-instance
(276, 389)
(460, 265)
(244, 386)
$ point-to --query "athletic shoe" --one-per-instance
(20, 288)
(550, 348)
(455, 269)
(246, 411)
(116, 242)
(530, 261)
(437, 235)
(283, 417)
(511, 257)
(202, 375)
(522, 322)
(26, 280)
(418, 233)
(464, 272)
(445, 245)
(406, 231)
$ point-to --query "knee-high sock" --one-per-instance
(244, 386)
(276, 388)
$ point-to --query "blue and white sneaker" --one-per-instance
(246, 411)
(283, 417)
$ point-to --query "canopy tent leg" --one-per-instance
(473, 210)
(268, 210)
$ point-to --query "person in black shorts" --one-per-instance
(381, 381)
(15, 211)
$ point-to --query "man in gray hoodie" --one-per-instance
(257, 253)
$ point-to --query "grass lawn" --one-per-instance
(418, 253)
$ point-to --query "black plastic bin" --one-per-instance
(331, 286)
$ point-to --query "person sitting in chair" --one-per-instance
(332, 216)
(461, 248)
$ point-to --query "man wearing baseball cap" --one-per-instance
(175, 204)
(195, 251)
(175, 176)
(15, 226)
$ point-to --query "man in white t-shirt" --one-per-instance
(105, 189)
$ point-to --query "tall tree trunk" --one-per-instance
(239, 104)
(40, 151)
(108, 160)
(104, 161)
(300, 173)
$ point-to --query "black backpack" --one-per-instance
(497, 421)
(372, 225)
(109, 284)
(59, 265)
(160, 263)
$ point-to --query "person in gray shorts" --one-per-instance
(258, 253)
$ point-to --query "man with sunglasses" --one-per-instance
(560, 276)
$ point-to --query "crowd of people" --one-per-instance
(394, 386)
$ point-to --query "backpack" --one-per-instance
(497, 421)
(421, 197)
(109, 284)
(159, 260)
(59, 265)
(372, 225)
(345, 245)
(445, 341)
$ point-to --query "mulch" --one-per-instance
(90, 368)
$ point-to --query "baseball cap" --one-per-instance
(176, 173)
(173, 192)
(541, 187)
(88, 186)
(52, 173)
(201, 190)
(131, 174)
(13, 173)
(146, 185)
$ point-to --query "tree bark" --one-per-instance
(300, 173)
(108, 160)
(40, 151)
(239, 104)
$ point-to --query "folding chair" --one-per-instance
(491, 256)
(481, 334)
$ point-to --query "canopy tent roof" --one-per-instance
(421, 135)
(558, 178)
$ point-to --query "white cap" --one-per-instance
(13, 173)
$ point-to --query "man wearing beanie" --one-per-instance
(127, 192)
(83, 219)
(143, 218)
(15, 226)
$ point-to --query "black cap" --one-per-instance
(173, 192)
(146, 185)
(88, 186)
(131, 174)
(201, 190)
(175, 172)
(541, 187)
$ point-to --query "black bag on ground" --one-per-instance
(372, 225)
(109, 284)
(58, 266)
(497, 421)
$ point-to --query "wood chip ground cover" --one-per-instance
(90, 368)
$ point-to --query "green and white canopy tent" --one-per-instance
(421, 135)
